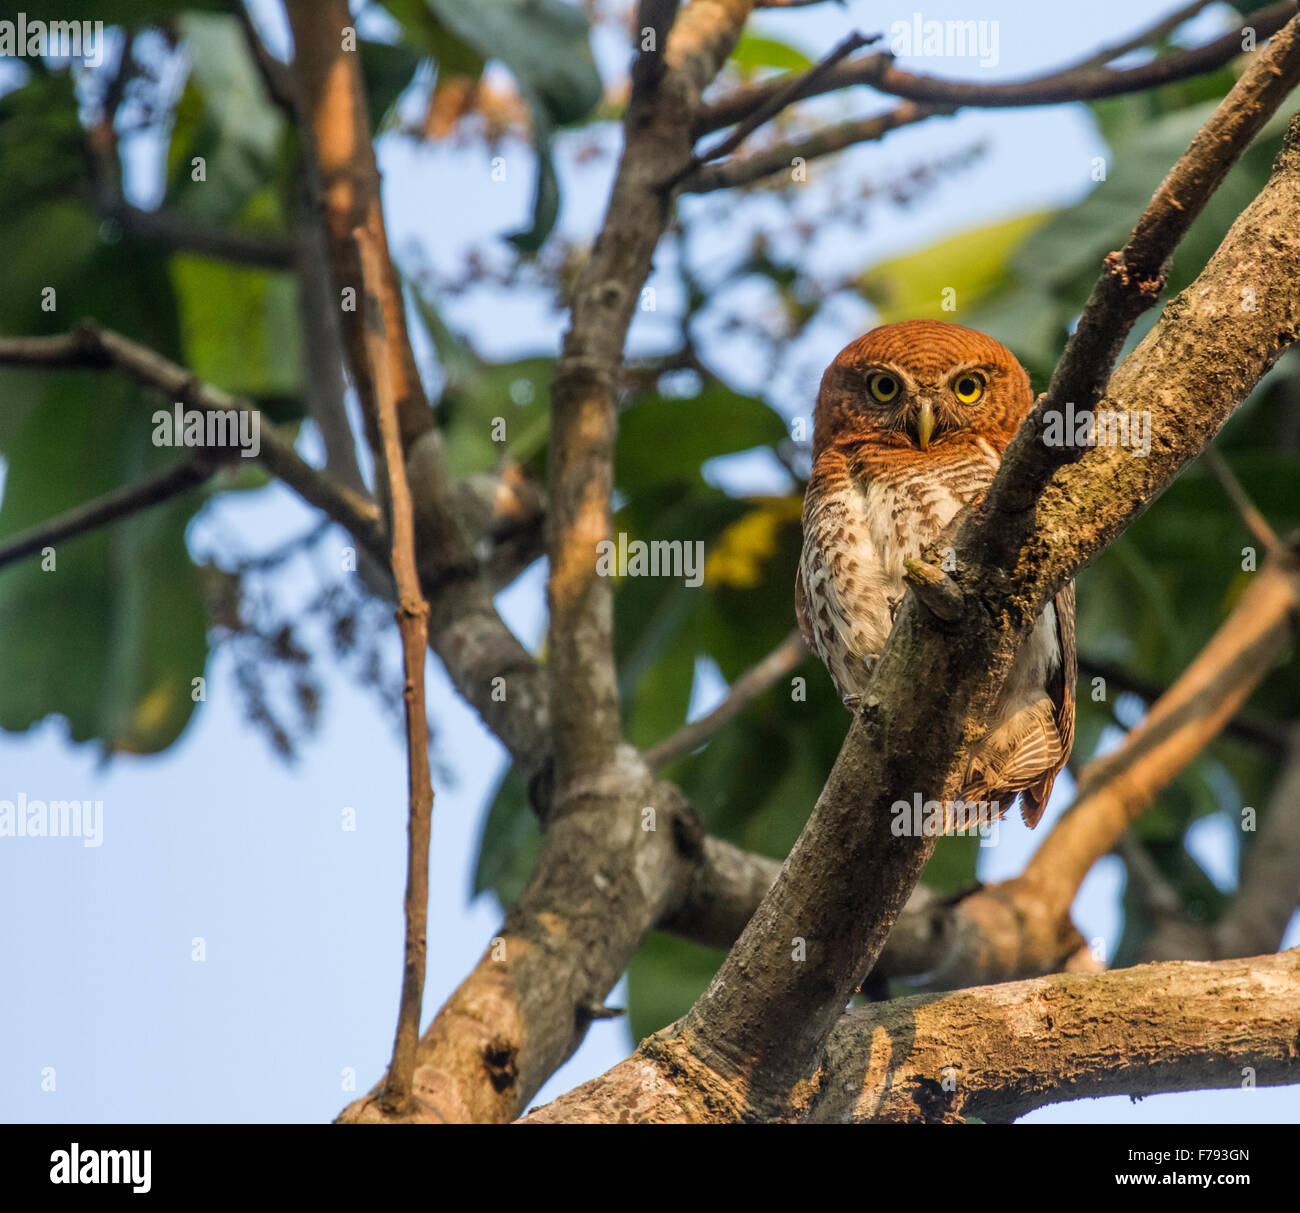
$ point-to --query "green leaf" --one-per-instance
(542, 42)
(508, 846)
(661, 439)
(972, 266)
(473, 411)
(225, 118)
(387, 72)
(239, 326)
(753, 52)
(111, 636)
(664, 979)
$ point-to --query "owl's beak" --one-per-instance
(924, 425)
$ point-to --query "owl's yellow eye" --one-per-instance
(884, 387)
(968, 388)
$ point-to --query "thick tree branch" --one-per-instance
(997, 1052)
(666, 85)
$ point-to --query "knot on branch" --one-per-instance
(937, 591)
(1131, 278)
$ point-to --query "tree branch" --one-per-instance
(412, 615)
(149, 491)
(771, 107)
(89, 347)
(1055, 88)
(1247, 727)
(781, 661)
(260, 250)
(782, 157)
(997, 1052)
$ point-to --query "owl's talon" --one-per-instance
(894, 604)
(852, 702)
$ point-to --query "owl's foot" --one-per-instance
(894, 604)
(852, 702)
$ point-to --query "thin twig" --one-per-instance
(829, 139)
(413, 621)
(1143, 38)
(275, 75)
(150, 491)
(799, 87)
(749, 686)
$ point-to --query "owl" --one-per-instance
(910, 426)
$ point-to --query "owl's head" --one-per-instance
(922, 385)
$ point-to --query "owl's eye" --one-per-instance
(884, 387)
(969, 387)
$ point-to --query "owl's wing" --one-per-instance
(1061, 688)
(801, 611)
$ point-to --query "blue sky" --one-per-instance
(300, 920)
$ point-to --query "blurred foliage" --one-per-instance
(112, 642)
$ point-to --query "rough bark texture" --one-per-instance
(997, 1052)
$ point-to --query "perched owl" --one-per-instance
(910, 426)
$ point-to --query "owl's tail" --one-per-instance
(1020, 757)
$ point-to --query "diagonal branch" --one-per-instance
(771, 107)
(1255, 522)
(149, 491)
(781, 661)
(782, 157)
(89, 347)
(1257, 916)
